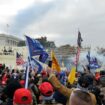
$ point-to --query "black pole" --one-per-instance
(76, 60)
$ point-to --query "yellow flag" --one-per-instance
(71, 77)
(55, 64)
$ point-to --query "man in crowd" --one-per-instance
(22, 96)
(72, 94)
(79, 97)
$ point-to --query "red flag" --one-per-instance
(79, 40)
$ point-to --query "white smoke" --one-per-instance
(83, 59)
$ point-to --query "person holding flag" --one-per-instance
(75, 96)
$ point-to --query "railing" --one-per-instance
(6, 53)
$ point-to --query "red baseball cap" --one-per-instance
(22, 96)
(3, 82)
(44, 73)
(46, 89)
(22, 82)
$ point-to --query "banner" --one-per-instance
(55, 64)
(35, 48)
(71, 77)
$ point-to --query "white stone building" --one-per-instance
(8, 40)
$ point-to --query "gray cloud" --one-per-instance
(2, 2)
(59, 20)
(26, 17)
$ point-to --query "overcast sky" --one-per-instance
(59, 20)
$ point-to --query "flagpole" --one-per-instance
(76, 54)
(89, 57)
(77, 60)
(27, 68)
(79, 40)
(27, 75)
(7, 28)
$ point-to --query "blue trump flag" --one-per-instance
(93, 62)
(35, 48)
(43, 57)
(38, 64)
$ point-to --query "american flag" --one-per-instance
(79, 40)
(77, 56)
(19, 59)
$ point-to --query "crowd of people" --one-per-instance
(50, 87)
(6, 51)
